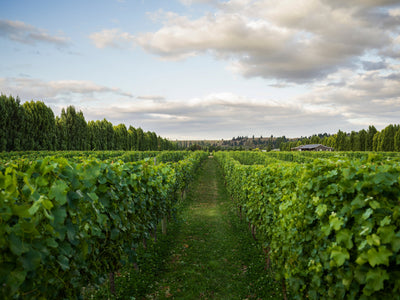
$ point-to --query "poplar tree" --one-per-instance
(40, 121)
(12, 124)
(132, 137)
(369, 141)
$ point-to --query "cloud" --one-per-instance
(113, 38)
(347, 100)
(356, 101)
(372, 97)
(219, 115)
(190, 2)
(27, 34)
(361, 3)
(55, 91)
(293, 41)
(151, 98)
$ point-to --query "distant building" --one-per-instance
(312, 147)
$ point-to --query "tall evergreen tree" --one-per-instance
(397, 140)
(369, 141)
(386, 138)
(341, 141)
(354, 141)
(375, 141)
(132, 138)
(140, 139)
(42, 127)
(121, 137)
(363, 139)
(12, 124)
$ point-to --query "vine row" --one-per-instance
(330, 227)
(65, 224)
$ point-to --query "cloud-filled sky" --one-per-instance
(208, 69)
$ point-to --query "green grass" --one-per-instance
(208, 252)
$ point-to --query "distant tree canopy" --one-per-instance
(364, 140)
(32, 126)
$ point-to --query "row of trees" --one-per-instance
(364, 140)
(33, 126)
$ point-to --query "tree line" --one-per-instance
(388, 139)
(33, 126)
(371, 139)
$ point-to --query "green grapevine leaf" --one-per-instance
(58, 191)
(63, 262)
(373, 240)
(367, 213)
(17, 246)
(31, 260)
(16, 278)
(385, 221)
(374, 280)
(344, 237)
(339, 255)
(335, 222)
(321, 209)
(379, 257)
(387, 233)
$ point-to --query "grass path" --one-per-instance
(211, 254)
(208, 253)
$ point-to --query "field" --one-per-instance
(284, 225)
(59, 215)
(329, 221)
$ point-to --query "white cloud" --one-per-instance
(113, 38)
(219, 115)
(394, 12)
(27, 34)
(294, 41)
(361, 100)
(156, 98)
(354, 102)
(368, 98)
(190, 2)
(55, 91)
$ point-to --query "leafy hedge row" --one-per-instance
(23, 160)
(309, 156)
(65, 224)
(126, 156)
(332, 227)
(262, 158)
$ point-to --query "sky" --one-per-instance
(208, 69)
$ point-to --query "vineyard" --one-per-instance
(72, 218)
(329, 223)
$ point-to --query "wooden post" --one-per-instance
(284, 289)
(164, 225)
(253, 232)
(183, 194)
(267, 258)
(135, 265)
(155, 233)
(164, 219)
(112, 283)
